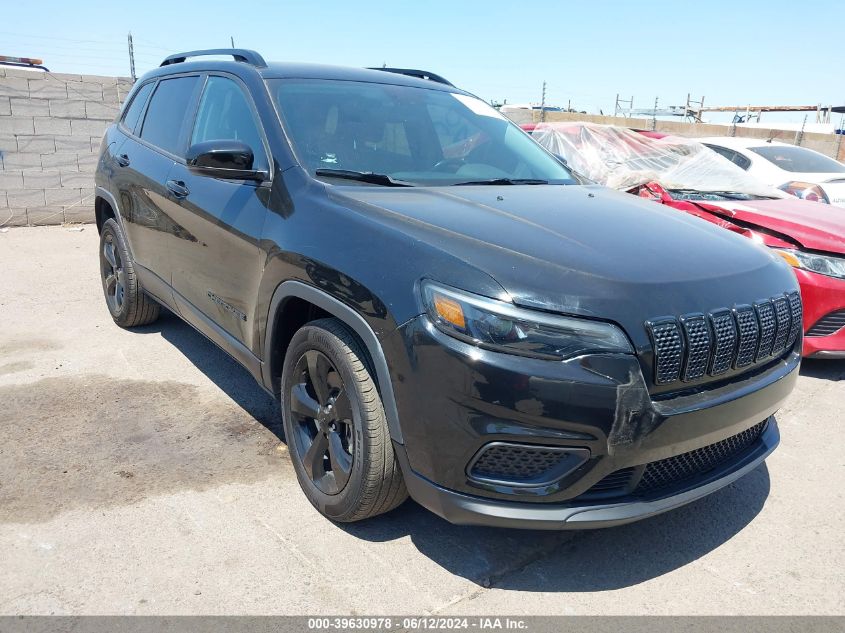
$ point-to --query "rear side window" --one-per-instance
(133, 112)
(735, 157)
(798, 159)
(225, 115)
(166, 112)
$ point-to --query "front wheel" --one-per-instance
(127, 303)
(335, 425)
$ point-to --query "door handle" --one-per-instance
(123, 160)
(177, 188)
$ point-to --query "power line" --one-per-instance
(64, 39)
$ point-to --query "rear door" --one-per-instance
(144, 161)
(216, 274)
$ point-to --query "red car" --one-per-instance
(689, 177)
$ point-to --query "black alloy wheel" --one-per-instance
(114, 278)
(324, 437)
(128, 304)
(335, 425)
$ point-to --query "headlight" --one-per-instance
(822, 264)
(503, 327)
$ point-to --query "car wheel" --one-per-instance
(127, 303)
(335, 425)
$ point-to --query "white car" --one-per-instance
(797, 170)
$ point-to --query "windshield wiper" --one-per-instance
(363, 176)
(504, 181)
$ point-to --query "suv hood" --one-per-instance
(813, 225)
(584, 250)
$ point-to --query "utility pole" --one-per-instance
(131, 59)
(799, 136)
(232, 39)
(543, 105)
(617, 108)
(654, 116)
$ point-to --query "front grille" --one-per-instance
(516, 462)
(828, 324)
(696, 345)
(672, 470)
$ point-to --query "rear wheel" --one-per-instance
(336, 427)
(127, 303)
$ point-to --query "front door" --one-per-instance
(217, 272)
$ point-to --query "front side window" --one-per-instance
(417, 135)
(799, 159)
(133, 112)
(225, 115)
(166, 113)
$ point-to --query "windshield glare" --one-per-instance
(417, 135)
(799, 159)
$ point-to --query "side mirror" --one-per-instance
(224, 159)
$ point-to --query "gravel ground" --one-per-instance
(144, 473)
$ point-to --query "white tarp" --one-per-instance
(621, 158)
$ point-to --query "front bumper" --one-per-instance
(820, 296)
(464, 509)
(454, 398)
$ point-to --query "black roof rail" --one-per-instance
(240, 54)
(419, 74)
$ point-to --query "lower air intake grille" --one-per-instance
(828, 324)
(667, 472)
(516, 463)
(615, 484)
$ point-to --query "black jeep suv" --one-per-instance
(442, 308)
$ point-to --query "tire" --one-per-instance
(350, 472)
(126, 301)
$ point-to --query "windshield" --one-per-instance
(799, 159)
(414, 135)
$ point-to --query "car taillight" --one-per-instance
(805, 191)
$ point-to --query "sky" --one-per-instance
(761, 52)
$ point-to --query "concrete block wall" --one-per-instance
(51, 125)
